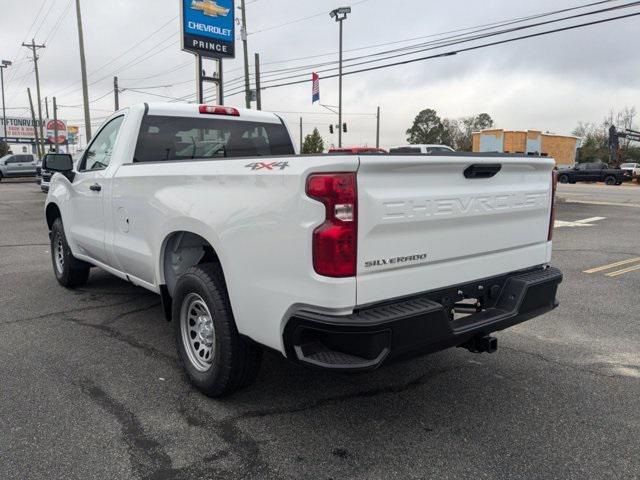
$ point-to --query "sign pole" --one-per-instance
(220, 83)
(199, 90)
(55, 125)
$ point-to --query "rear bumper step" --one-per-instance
(421, 324)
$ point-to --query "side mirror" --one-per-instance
(58, 162)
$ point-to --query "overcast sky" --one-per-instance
(547, 83)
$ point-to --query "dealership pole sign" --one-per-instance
(208, 27)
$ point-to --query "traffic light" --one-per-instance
(331, 129)
(344, 127)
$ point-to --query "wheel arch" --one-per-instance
(52, 212)
(180, 250)
(192, 248)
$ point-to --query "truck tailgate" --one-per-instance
(423, 225)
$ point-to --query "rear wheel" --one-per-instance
(70, 272)
(610, 180)
(563, 179)
(216, 358)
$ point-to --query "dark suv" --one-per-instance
(593, 172)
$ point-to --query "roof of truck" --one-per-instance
(193, 110)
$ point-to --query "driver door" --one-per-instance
(90, 186)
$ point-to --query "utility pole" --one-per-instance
(258, 92)
(340, 15)
(300, 134)
(83, 68)
(3, 65)
(378, 128)
(34, 49)
(46, 107)
(116, 94)
(243, 34)
(55, 126)
(35, 128)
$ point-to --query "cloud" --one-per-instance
(548, 83)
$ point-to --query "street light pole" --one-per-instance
(340, 15)
(5, 64)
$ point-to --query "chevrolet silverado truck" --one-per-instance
(340, 262)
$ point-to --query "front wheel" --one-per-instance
(563, 179)
(70, 272)
(216, 358)
(610, 180)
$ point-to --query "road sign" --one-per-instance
(62, 137)
(208, 27)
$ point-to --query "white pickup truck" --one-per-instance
(342, 262)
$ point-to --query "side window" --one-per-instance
(98, 154)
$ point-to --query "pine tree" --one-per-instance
(313, 143)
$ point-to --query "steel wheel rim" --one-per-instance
(58, 254)
(198, 334)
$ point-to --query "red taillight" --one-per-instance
(554, 187)
(217, 110)
(335, 241)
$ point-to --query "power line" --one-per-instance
(118, 57)
(477, 29)
(298, 20)
(456, 42)
(456, 52)
(44, 18)
(63, 14)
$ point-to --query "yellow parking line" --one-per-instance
(612, 265)
(622, 272)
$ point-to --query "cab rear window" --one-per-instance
(164, 138)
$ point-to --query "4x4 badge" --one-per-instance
(267, 166)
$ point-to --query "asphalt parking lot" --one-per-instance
(90, 386)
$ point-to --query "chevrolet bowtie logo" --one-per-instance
(210, 8)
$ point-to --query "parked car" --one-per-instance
(356, 150)
(423, 149)
(593, 172)
(337, 262)
(17, 165)
(634, 168)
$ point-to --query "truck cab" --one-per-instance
(18, 165)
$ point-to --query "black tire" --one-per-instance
(1, 176)
(235, 361)
(610, 180)
(563, 179)
(70, 272)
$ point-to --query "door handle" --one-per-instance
(482, 171)
(96, 187)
